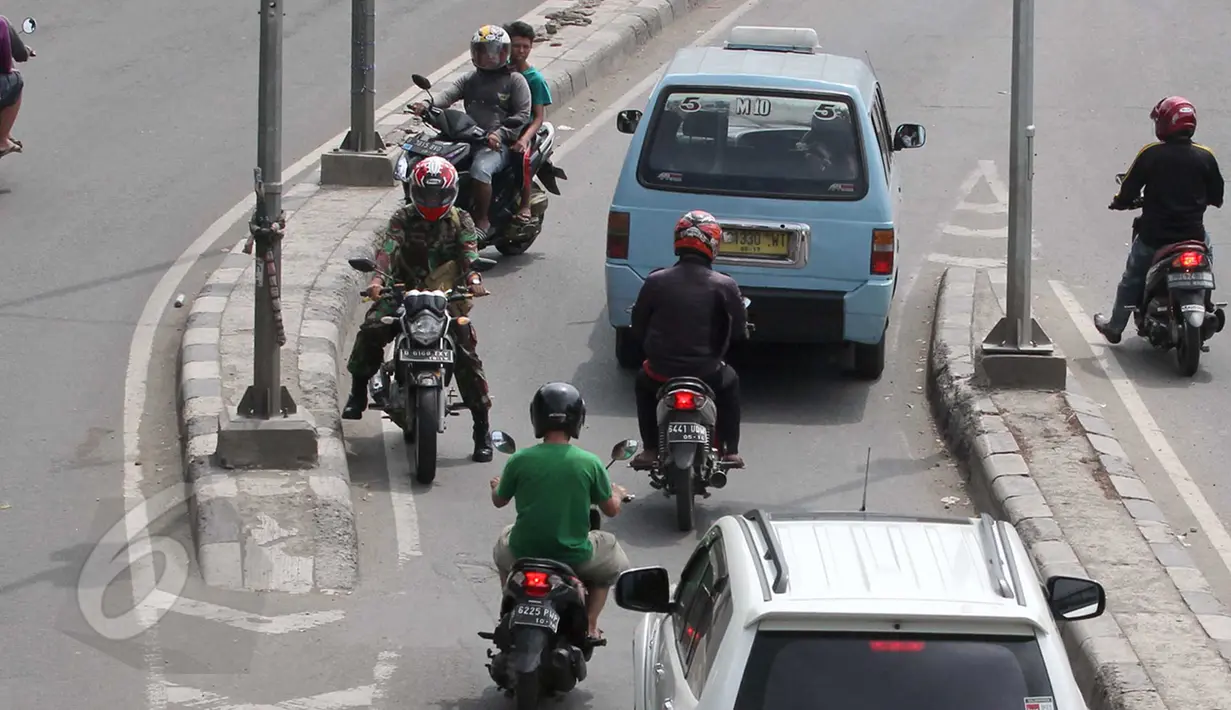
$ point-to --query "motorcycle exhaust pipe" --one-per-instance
(718, 479)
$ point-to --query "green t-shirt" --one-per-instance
(552, 486)
(540, 93)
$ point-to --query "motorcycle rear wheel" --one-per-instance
(527, 691)
(685, 501)
(1188, 350)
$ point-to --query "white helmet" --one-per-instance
(489, 48)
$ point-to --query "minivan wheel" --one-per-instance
(870, 360)
(628, 353)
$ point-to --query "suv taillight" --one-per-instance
(617, 235)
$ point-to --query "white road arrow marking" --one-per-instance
(248, 621)
(363, 696)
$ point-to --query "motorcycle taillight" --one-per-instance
(1189, 260)
(536, 584)
(685, 400)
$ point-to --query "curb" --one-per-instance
(215, 501)
(1108, 669)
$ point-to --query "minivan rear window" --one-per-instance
(802, 671)
(793, 146)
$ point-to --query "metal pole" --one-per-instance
(264, 398)
(1017, 332)
(363, 76)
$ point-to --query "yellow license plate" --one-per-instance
(756, 243)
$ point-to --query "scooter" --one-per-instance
(457, 137)
(1174, 311)
(541, 642)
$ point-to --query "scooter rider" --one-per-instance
(494, 93)
(1180, 178)
(554, 484)
(686, 316)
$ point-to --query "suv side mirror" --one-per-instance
(627, 120)
(909, 135)
(1074, 598)
(646, 589)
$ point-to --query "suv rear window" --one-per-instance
(757, 144)
(798, 670)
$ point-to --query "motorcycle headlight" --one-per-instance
(426, 329)
(402, 169)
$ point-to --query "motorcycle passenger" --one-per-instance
(1181, 179)
(494, 93)
(12, 49)
(429, 244)
(686, 317)
(554, 484)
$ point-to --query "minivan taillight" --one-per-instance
(617, 235)
(882, 252)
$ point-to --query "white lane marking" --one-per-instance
(967, 261)
(1150, 431)
(401, 497)
(248, 621)
(955, 230)
(363, 696)
(140, 353)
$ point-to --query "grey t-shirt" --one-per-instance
(490, 98)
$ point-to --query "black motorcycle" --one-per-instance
(1173, 312)
(456, 138)
(542, 647)
(408, 388)
(689, 460)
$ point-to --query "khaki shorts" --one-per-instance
(601, 571)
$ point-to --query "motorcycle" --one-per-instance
(456, 139)
(409, 385)
(689, 459)
(542, 647)
(1173, 309)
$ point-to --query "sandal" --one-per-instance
(16, 148)
(524, 219)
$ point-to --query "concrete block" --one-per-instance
(352, 169)
(284, 443)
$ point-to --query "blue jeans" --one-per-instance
(1133, 281)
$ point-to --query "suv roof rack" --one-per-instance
(996, 562)
(773, 546)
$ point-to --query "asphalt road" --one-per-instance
(1098, 74)
(139, 130)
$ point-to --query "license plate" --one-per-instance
(422, 147)
(748, 242)
(437, 356)
(686, 433)
(1197, 279)
(536, 615)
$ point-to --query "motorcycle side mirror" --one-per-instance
(28, 25)
(747, 302)
(625, 450)
(1120, 178)
(502, 442)
(421, 81)
(481, 264)
(366, 266)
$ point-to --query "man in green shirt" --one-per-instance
(521, 35)
(554, 484)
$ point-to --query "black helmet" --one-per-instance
(557, 406)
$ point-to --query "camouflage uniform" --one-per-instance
(427, 255)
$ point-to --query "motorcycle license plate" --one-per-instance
(528, 614)
(444, 357)
(686, 433)
(419, 146)
(1193, 279)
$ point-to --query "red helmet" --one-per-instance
(1174, 116)
(433, 187)
(699, 232)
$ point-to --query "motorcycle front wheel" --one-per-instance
(427, 411)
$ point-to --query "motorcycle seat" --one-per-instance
(1170, 249)
(542, 563)
(692, 384)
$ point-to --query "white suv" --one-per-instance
(855, 611)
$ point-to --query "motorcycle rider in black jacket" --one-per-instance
(686, 317)
(1181, 179)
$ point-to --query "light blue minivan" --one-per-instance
(791, 150)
